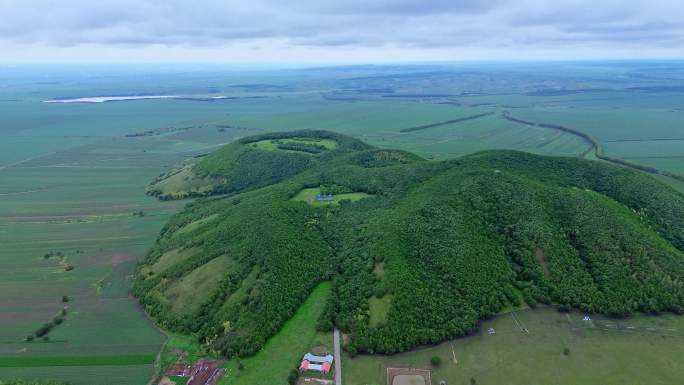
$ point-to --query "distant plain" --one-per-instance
(72, 176)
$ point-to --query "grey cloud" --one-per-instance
(367, 23)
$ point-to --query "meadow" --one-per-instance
(560, 348)
(72, 176)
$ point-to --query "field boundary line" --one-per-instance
(595, 145)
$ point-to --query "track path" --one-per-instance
(338, 357)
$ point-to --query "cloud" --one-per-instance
(505, 27)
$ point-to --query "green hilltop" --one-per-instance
(417, 251)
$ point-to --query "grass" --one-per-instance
(272, 144)
(169, 259)
(378, 309)
(599, 352)
(189, 292)
(21, 361)
(179, 380)
(180, 183)
(308, 195)
(83, 375)
(196, 224)
(283, 351)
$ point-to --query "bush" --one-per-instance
(45, 329)
(566, 352)
(435, 361)
(351, 349)
(65, 299)
(293, 377)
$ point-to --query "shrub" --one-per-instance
(435, 361)
(293, 377)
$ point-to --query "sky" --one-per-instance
(290, 32)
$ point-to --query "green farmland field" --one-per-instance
(73, 176)
(86, 375)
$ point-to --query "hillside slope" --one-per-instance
(417, 251)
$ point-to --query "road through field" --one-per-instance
(338, 357)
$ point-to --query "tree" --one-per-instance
(65, 299)
(435, 361)
(293, 377)
(566, 352)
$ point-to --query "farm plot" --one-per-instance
(73, 224)
(640, 128)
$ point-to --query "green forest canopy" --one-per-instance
(455, 242)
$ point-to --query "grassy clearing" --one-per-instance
(378, 309)
(598, 352)
(169, 259)
(283, 351)
(308, 195)
(179, 184)
(272, 144)
(188, 293)
(196, 224)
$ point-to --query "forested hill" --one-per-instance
(417, 251)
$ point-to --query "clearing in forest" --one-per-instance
(309, 195)
(297, 144)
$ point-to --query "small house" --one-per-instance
(317, 363)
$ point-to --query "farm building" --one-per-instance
(317, 363)
(324, 197)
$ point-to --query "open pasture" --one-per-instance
(602, 350)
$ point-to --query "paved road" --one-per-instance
(338, 358)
